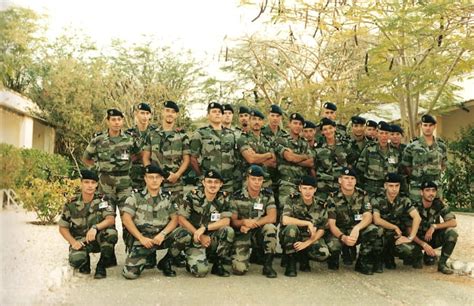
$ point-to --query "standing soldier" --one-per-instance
(140, 134)
(433, 233)
(227, 116)
(350, 218)
(424, 158)
(205, 213)
(152, 221)
(87, 223)
(371, 130)
(253, 216)
(213, 147)
(329, 111)
(391, 212)
(358, 141)
(376, 160)
(244, 118)
(305, 219)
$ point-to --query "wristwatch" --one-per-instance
(95, 227)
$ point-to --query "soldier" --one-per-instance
(371, 130)
(140, 133)
(87, 223)
(433, 233)
(358, 141)
(376, 160)
(391, 212)
(350, 218)
(304, 219)
(152, 221)
(244, 118)
(330, 159)
(205, 213)
(424, 158)
(294, 158)
(213, 147)
(253, 217)
(273, 129)
(227, 116)
(329, 111)
(309, 132)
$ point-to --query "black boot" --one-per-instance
(291, 265)
(257, 256)
(362, 265)
(333, 261)
(378, 263)
(100, 271)
(151, 260)
(267, 267)
(347, 258)
(218, 268)
(442, 267)
(180, 260)
(304, 261)
(164, 265)
(284, 260)
(85, 268)
(111, 261)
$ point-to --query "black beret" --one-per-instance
(213, 174)
(309, 125)
(296, 116)
(429, 184)
(358, 120)
(156, 169)
(227, 107)
(215, 105)
(114, 112)
(171, 104)
(393, 178)
(428, 119)
(397, 129)
(257, 113)
(308, 181)
(371, 123)
(276, 109)
(384, 126)
(255, 170)
(89, 175)
(244, 110)
(326, 121)
(349, 172)
(331, 106)
(144, 107)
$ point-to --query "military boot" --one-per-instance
(257, 256)
(333, 261)
(389, 261)
(291, 265)
(100, 271)
(442, 267)
(378, 263)
(267, 267)
(180, 260)
(362, 265)
(304, 261)
(284, 260)
(151, 260)
(164, 265)
(218, 268)
(85, 268)
(429, 260)
(347, 258)
(111, 261)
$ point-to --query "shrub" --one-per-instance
(10, 165)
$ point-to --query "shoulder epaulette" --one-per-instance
(97, 134)
(294, 195)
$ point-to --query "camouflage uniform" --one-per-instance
(373, 165)
(260, 238)
(341, 134)
(151, 215)
(216, 150)
(329, 162)
(426, 164)
(167, 149)
(355, 147)
(137, 171)
(79, 217)
(317, 214)
(199, 212)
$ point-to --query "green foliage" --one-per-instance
(458, 178)
(11, 164)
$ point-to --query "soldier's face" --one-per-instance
(347, 183)
(212, 185)
(88, 186)
(153, 181)
(307, 192)
(329, 113)
(214, 116)
(396, 138)
(328, 131)
(227, 117)
(256, 123)
(428, 128)
(274, 119)
(308, 134)
(169, 115)
(428, 194)
(392, 189)
(254, 183)
(382, 136)
(296, 127)
(358, 129)
(370, 131)
(244, 120)
(143, 117)
(115, 123)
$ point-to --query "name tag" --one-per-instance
(258, 206)
(103, 204)
(215, 217)
(125, 156)
(392, 160)
(357, 217)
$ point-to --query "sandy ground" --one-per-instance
(35, 271)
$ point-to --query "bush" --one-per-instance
(10, 166)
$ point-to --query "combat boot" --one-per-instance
(442, 267)
(180, 260)
(112, 261)
(164, 265)
(333, 261)
(218, 268)
(290, 270)
(284, 260)
(378, 263)
(429, 260)
(151, 260)
(257, 256)
(389, 261)
(85, 268)
(347, 258)
(267, 267)
(100, 271)
(362, 265)
(304, 261)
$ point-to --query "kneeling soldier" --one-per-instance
(391, 212)
(87, 223)
(304, 219)
(205, 213)
(152, 221)
(253, 215)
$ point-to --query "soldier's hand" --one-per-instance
(158, 239)
(300, 245)
(349, 240)
(429, 250)
(146, 242)
(402, 240)
(198, 233)
(250, 223)
(205, 241)
(90, 235)
(172, 178)
(77, 245)
(398, 232)
(244, 229)
(429, 234)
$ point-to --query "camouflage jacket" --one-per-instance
(249, 208)
(354, 149)
(374, 164)
(79, 216)
(433, 214)
(259, 145)
(316, 213)
(347, 211)
(288, 171)
(267, 131)
(341, 134)
(397, 213)
(329, 161)
(140, 139)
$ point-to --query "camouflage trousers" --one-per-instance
(446, 239)
(263, 238)
(405, 250)
(370, 240)
(197, 255)
(175, 242)
(116, 188)
(104, 243)
(318, 251)
(137, 173)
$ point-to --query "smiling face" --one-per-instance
(358, 130)
(307, 192)
(169, 115)
(295, 126)
(211, 185)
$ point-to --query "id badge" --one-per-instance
(392, 160)
(258, 206)
(215, 217)
(125, 156)
(103, 204)
(357, 217)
